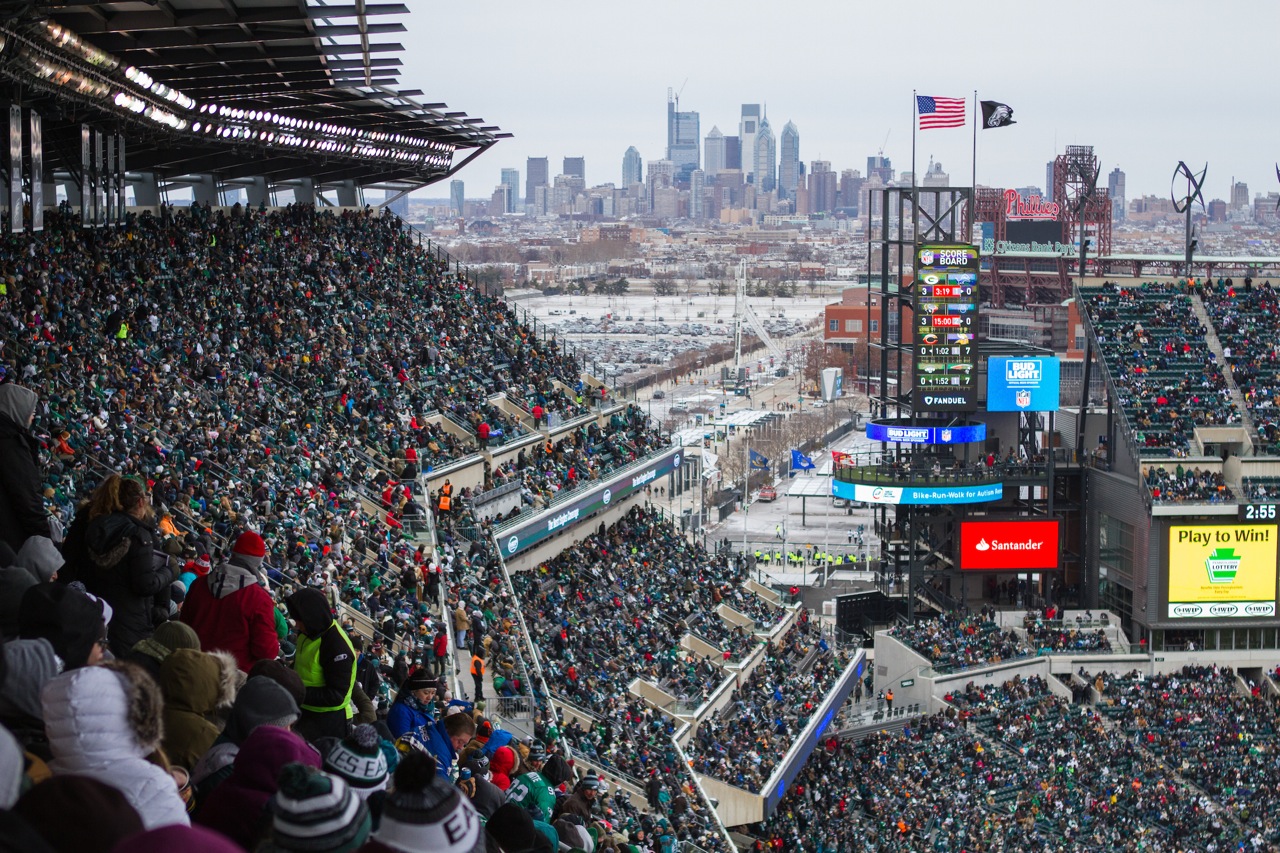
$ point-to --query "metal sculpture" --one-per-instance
(1183, 204)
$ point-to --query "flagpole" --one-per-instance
(746, 496)
(915, 120)
(976, 110)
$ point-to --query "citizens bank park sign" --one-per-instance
(526, 534)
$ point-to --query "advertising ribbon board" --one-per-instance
(551, 521)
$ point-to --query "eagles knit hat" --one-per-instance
(359, 761)
(424, 812)
(314, 811)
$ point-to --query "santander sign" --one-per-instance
(1009, 545)
(1017, 207)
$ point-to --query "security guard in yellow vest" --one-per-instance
(326, 663)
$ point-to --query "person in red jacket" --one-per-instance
(482, 433)
(231, 610)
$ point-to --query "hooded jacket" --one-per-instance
(97, 728)
(501, 765)
(238, 807)
(125, 573)
(29, 666)
(22, 512)
(310, 610)
(192, 686)
(231, 610)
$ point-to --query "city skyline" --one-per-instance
(1122, 99)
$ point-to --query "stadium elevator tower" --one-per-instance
(921, 541)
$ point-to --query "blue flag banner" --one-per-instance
(759, 462)
(801, 462)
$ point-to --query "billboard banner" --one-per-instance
(1219, 571)
(832, 383)
(1022, 384)
(960, 434)
(558, 518)
(941, 494)
(1012, 544)
(945, 328)
(15, 169)
(37, 172)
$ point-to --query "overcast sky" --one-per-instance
(1146, 83)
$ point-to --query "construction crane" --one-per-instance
(886, 142)
(744, 316)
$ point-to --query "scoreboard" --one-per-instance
(944, 378)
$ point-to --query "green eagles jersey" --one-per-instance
(531, 792)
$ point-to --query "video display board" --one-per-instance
(946, 327)
(1012, 544)
(1219, 571)
(1022, 384)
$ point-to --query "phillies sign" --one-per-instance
(1016, 207)
(1011, 545)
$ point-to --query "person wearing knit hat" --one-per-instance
(315, 812)
(168, 638)
(282, 674)
(188, 839)
(102, 814)
(359, 761)
(413, 707)
(515, 831)
(424, 812)
(68, 619)
(231, 609)
(261, 702)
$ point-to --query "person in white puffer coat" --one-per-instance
(102, 722)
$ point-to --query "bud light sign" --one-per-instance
(1022, 384)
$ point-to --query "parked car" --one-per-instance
(659, 394)
(767, 493)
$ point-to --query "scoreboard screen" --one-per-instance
(944, 378)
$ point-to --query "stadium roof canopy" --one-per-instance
(284, 89)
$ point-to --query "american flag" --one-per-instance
(940, 112)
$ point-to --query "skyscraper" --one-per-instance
(536, 174)
(632, 167)
(1115, 188)
(765, 167)
(713, 153)
(880, 167)
(511, 177)
(788, 161)
(697, 188)
(748, 125)
(733, 152)
(822, 187)
(575, 167)
(684, 135)
(457, 197)
(1048, 182)
(1239, 194)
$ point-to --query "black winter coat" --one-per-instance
(21, 508)
(126, 572)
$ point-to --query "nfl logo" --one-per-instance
(946, 436)
(1022, 399)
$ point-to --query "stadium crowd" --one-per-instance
(956, 641)
(1009, 767)
(1245, 319)
(1166, 376)
(210, 426)
(770, 708)
(1186, 485)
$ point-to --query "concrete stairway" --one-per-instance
(1237, 397)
